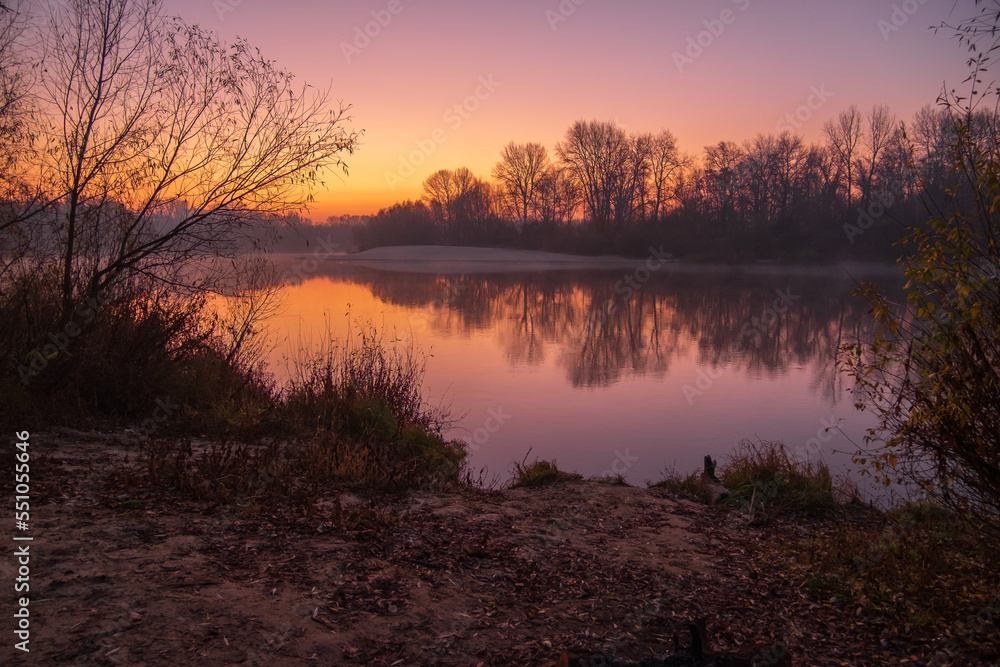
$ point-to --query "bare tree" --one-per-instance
(20, 195)
(519, 172)
(881, 125)
(665, 166)
(165, 146)
(595, 153)
(629, 185)
(761, 185)
(444, 188)
(614, 171)
(558, 196)
(844, 136)
(440, 193)
(724, 178)
(475, 207)
(460, 200)
(14, 88)
(247, 308)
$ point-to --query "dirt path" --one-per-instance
(464, 578)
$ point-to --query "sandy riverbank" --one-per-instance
(463, 577)
(461, 259)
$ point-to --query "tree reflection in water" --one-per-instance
(725, 318)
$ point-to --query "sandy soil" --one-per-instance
(460, 259)
(459, 578)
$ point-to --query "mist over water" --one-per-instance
(610, 375)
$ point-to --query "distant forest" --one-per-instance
(773, 197)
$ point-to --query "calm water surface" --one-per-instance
(688, 364)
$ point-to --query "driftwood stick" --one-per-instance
(716, 492)
(710, 467)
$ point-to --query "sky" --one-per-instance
(440, 84)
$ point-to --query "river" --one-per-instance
(610, 369)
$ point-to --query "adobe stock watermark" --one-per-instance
(637, 619)
(454, 116)
(495, 420)
(795, 120)
(752, 330)
(623, 290)
(364, 35)
(418, 321)
(901, 15)
(443, 643)
(632, 283)
(699, 43)
(621, 464)
(981, 622)
(165, 408)
(223, 7)
(876, 551)
(813, 447)
(878, 206)
(304, 268)
(272, 642)
(562, 12)
(772, 655)
(82, 316)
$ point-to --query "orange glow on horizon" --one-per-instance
(443, 85)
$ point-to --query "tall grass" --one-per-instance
(692, 484)
(363, 397)
(356, 418)
(539, 473)
(352, 413)
(762, 475)
(343, 382)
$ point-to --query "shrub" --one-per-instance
(932, 374)
(370, 418)
(348, 384)
(431, 455)
(693, 484)
(762, 475)
(540, 473)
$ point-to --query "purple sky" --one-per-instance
(539, 66)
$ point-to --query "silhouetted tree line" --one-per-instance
(772, 197)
